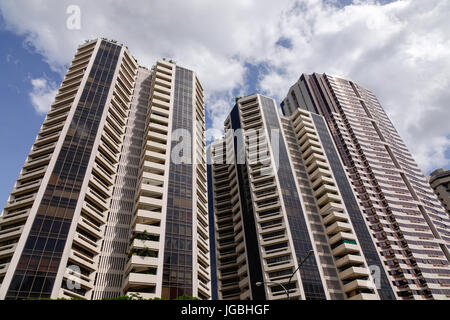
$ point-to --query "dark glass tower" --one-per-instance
(102, 206)
(403, 229)
(282, 225)
(60, 202)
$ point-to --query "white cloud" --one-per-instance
(217, 112)
(401, 50)
(42, 94)
(10, 58)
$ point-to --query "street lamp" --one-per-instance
(259, 283)
(310, 253)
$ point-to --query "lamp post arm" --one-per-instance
(279, 284)
(310, 253)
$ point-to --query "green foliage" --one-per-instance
(145, 236)
(145, 252)
(151, 271)
(186, 297)
(132, 296)
(43, 299)
(237, 99)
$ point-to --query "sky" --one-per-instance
(398, 49)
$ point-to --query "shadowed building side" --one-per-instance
(440, 182)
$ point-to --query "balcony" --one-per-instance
(93, 212)
(26, 187)
(140, 244)
(299, 124)
(345, 248)
(153, 178)
(248, 104)
(342, 236)
(319, 173)
(251, 111)
(162, 103)
(328, 198)
(322, 180)
(99, 201)
(155, 156)
(43, 140)
(115, 125)
(146, 216)
(244, 282)
(141, 262)
(20, 202)
(86, 243)
(353, 273)
(83, 280)
(150, 190)
(310, 150)
(7, 250)
(350, 259)
(338, 227)
(139, 279)
(90, 227)
(306, 130)
(108, 153)
(358, 284)
(155, 146)
(364, 296)
(149, 201)
(330, 207)
(242, 269)
(325, 188)
(153, 230)
(164, 68)
(37, 151)
(98, 184)
(251, 124)
(82, 260)
(75, 76)
(59, 103)
(309, 140)
(335, 216)
(306, 134)
(161, 96)
(3, 269)
(16, 216)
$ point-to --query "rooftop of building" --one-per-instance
(439, 173)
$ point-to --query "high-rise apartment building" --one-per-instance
(440, 182)
(100, 208)
(408, 226)
(116, 196)
(279, 190)
(169, 254)
(114, 253)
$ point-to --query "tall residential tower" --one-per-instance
(99, 209)
(278, 192)
(409, 227)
